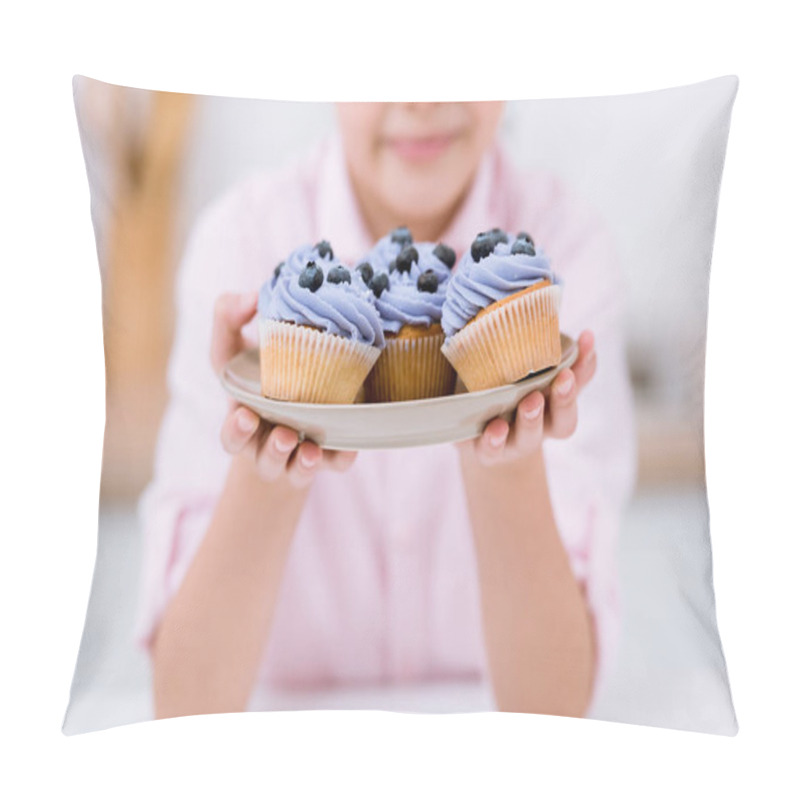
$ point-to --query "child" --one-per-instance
(270, 563)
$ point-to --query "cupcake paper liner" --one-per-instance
(306, 365)
(410, 369)
(508, 342)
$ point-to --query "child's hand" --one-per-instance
(273, 450)
(536, 418)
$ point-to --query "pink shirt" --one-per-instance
(381, 582)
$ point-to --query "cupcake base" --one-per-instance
(306, 365)
(411, 367)
(508, 340)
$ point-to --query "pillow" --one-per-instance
(404, 406)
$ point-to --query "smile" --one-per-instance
(421, 148)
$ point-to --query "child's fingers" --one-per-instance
(586, 341)
(274, 453)
(529, 423)
(491, 444)
(585, 371)
(584, 368)
(338, 460)
(304, 464)
(238, 429)
(562, 410)
(231, 311)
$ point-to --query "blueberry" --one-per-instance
(408, 256)
(324, 249)
(339, 274)
(393, 265)
(522, 247)
(499, 235)
(365, 271)
(445, 254)
(276, 273)
(525, 236)
(311, 277)
(401, 236)
(379, 283)
(482, 246)
(428, 282)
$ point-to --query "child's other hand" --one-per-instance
(273, 450)
(537, 417)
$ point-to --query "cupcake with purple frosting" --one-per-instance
(500, 315)
(319, 334)
(409, 296)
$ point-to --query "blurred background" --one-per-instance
(155, 159)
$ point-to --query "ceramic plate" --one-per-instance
(374, 426)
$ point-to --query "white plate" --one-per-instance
(378, 426)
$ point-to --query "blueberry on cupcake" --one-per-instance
(387, 248)
(320, 253)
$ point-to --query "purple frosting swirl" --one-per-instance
(427, 260)
(296, 260)
(402, 303)
(382, 254)
(385, 251)
(477, 284)
(294, 264)
(337, 308)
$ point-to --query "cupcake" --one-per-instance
(500, 314)
(319, 335)
(409, 297)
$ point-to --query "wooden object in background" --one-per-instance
(146, 143)
(670, 448)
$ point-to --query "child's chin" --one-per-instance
(429, 204)
(420, 192)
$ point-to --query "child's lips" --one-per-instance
(421, 148)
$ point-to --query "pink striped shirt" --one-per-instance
(381, 582)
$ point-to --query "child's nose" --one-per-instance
(423, 108)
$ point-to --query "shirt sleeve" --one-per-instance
(190, 464)
(592, 473)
